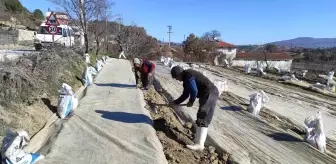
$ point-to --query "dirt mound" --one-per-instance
(174, 136)
(29, 85)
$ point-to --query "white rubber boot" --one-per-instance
(201, 134)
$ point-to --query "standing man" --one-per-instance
(146, 70)
(195, 84)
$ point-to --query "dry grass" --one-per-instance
(28, 82)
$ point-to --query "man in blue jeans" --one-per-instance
(196, 85)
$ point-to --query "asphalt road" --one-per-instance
(14, 54)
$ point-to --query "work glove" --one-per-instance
(190, 104)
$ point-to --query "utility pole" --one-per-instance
(106, 32)
(169, 32)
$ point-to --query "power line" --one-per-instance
(169, 32)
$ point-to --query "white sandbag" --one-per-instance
(315, 135)
(194, 66)
(285, 78)
(93, 71)
(162, 59)
(293, 77)
(12, 149)
(87, 58)
(87, 76)
(102, 64)
(278, 70)
(260, 70)
(104, 59)
(184, 66)
(64, 106)
(67, 101)
(304, 73)
(330, 81)
(98, 66)
(221, 85)
(216, 63)
(74, 102)
(167, 61)
(66, 89)
(171, 64)
(247, 68)
(257, 101)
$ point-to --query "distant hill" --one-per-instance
(307, 42)
(172, 43)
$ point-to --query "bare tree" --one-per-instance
(211, 35)
(82, 12)
(268, 49)
(98, 27)
(135, 41)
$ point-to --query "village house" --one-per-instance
(227, 52)
(279, 60)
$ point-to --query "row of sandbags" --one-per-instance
(330, 85)
(12, 149)
(90, 72)
(315, 135)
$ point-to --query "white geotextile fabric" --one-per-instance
(110, 124)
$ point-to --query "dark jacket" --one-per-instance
(195, 84)
(145, 68)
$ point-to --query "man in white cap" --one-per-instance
(146, 70)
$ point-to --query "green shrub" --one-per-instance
(14, 5)
(38, 14)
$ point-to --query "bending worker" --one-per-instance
(195, 84)
(146, 70)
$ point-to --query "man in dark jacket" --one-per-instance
(195, 84)
(146, 70)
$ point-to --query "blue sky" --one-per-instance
(239, 21)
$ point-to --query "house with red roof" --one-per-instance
(227, 49)
(279, 60)
(227, 52)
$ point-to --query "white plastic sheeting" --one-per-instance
(315, 132)
(12, 149)
(111, 124)
(257, 101)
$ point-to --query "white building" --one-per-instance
(229, 50)
(227, 53)
(274, 60)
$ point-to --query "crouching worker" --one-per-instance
(146, 70)
(195, 84)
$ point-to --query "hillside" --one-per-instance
(12, 13)
(308, 42)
